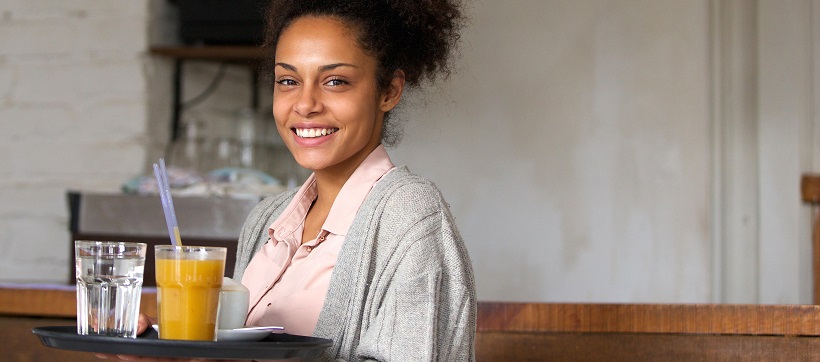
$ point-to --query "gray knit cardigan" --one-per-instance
(402, 288)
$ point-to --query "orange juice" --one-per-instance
(188, 292)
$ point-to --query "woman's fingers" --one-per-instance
(144, 322)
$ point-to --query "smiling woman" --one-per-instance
(326, 103)
(364, 253)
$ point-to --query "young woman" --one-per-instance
(364, 253)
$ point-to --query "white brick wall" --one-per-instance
(76, 90)
(84, 106)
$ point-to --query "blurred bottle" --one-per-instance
(187, 151)
(246, 130)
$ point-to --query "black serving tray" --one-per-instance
(274, 346)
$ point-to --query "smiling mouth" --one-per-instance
(314, 132)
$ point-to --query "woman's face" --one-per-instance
(326, 102)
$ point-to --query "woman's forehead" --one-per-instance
(319, 40)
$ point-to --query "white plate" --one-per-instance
(235, 335)
(241, 334)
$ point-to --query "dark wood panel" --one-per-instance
(810, 192)
(539, 331)
(503, 346)
(650, 318)
(21, 345)
(54, 301)
(810, 188)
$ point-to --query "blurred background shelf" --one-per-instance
(229, 53)
(203, 221)
(247, 56)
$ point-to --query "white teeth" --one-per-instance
(314, 132)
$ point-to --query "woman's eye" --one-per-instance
(336, 82)
(286, 82)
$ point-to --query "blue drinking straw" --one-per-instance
(164, 189)
(170, 200)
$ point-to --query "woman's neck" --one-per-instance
(329, 182)
(328, 186)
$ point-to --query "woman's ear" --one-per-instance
(392, 94)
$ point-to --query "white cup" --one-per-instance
(233, 304)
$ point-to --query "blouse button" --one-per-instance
(269, 304)
(308, 248)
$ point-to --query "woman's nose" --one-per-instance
(308, 102)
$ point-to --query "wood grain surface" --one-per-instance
(810, 193)
(608, 347)
(791, 320)
(54, 300)
(525, 331)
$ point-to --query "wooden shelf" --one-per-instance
(247, 56)
(229, 53)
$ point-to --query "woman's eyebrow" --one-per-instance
(286, 66)
(323, 68)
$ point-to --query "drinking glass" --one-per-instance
(189, 279)
(109, 285)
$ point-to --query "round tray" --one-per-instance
(274, 346)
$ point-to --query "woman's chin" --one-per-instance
(312, 163)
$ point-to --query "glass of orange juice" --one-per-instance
(189, 279)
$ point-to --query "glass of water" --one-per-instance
(109, 285)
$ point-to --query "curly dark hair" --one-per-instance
(415, 36)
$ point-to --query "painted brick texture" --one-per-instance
(73, 116)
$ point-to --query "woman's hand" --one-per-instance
(143, 322)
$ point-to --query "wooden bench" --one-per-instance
(647, 332)
(522, 331)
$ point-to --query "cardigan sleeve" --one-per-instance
(428, 311)
(403, 287)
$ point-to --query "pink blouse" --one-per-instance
(288, 280)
